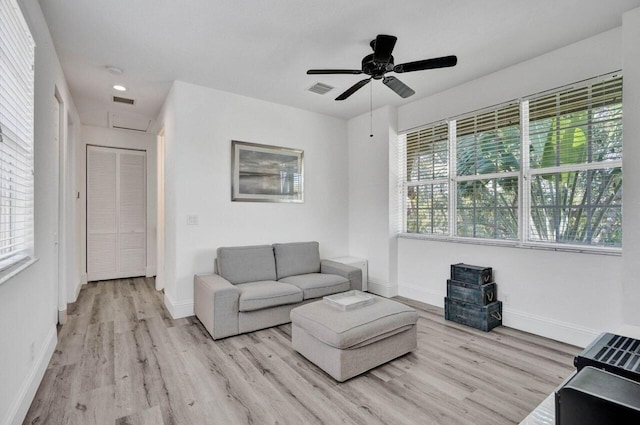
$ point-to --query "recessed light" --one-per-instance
(119, 87)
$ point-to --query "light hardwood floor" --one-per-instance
(122, 360)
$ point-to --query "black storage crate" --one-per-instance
(471, 274)
(483, 317)
(472, 293)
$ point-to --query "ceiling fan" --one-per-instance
(377, 64)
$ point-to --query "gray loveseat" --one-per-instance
(256, 287)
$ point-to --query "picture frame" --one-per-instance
(266, 173)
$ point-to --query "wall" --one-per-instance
(562, 295)
(197, 173)
(101, 136)
(29, 301)
(631, 188)
(371, 191)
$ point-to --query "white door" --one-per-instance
(116, 213)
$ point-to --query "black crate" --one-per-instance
(471, 274)
(472, 293)
(483, 317)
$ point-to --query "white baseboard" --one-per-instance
(76, 292)
(178, 310)
(28, 390)
(384, 289)
(424, 296)
(150, 271)
(62, 316)
(550, 328)
(84, 279)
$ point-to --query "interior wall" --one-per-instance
(29, 300)
(100, 136)
(631, 188)
(372, 224)
(198, 172)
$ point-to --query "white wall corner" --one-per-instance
(76, 292)
(384, 289)
(151, 271)
(178, 310)
(84, 279)
(27, 391)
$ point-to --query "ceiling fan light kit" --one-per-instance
(381, 61)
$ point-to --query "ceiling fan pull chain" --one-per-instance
(371, 110)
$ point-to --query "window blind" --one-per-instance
(16, 135)
(426, 183)
(489, 142)
(577, 126)
(576, 164)
(487, 164)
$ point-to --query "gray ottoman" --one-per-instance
(347, 343)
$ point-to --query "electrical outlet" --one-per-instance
(192, 220)
(505, 298)
(32, 351)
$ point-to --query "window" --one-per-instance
(546, 169)
(16, 135)
(576, 165)
(487, 170)
(427, 166)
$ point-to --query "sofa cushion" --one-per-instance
(242, 264)
(315, 285)
(296, 258)
(357, 327)
(269, 293)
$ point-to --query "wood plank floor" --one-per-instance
(122, 360)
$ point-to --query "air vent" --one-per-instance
(124, 100)
(320, 88)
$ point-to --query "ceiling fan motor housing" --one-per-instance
(376, 69)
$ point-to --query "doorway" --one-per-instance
(116, 213)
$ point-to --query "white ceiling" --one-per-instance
(262, 48)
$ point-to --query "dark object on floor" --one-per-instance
(597, 397)
(471, 274)
(483, 317)
(472, 293)
(613, 353)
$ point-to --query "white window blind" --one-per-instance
(576, 165)
(544, 169)
(16, 135)
(427, 180)
(487, 167)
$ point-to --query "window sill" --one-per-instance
(598, 250)
(16, 269)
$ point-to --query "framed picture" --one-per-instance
(263, 173)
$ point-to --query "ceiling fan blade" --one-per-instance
(354, 88)
(383, 47)
(442, 62)
(398, 86)
(334, 71)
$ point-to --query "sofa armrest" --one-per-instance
(216, 303)
(354, 274)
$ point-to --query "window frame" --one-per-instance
(524, 175)
(17, 138)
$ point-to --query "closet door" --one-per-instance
(116, 213)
